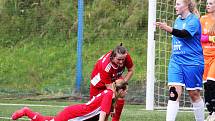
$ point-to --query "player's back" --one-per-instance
(101, 102)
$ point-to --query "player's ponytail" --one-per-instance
(192, 7)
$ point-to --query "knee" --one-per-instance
(194, 95)
(173, 94)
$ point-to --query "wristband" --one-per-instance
(204, 38)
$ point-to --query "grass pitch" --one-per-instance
(130, 112)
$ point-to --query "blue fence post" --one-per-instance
(79, 45)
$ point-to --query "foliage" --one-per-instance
(26, 19)
(38, 41)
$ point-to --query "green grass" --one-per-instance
(130, 112)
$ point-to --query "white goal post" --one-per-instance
(151, 56)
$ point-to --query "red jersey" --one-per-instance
(81, 112)
(106, 73)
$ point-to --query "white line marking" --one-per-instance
(36, 105)
(8, 118)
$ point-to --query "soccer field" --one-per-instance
(130, 112)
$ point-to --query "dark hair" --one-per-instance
(118, 50)
(122, 85)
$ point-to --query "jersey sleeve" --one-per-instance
(107, 101)
(193, 26)
(129, 62)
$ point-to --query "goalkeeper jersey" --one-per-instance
(208, 47)
(187, 51)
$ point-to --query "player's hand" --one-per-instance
(112, 113)
(161, 25)
(212, 39)
(164, 26)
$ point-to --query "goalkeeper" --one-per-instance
(109, 68)
(208, 45)
(186, 64)
(98, 106)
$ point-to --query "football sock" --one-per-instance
(118, 110)
(198, 107)
(172, 110)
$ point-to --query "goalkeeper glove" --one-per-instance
(212, 39)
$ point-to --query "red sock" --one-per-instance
(118, 110)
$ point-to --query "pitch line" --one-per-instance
(7, 118)
(33, 105)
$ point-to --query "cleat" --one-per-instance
(212, 117)
(19, 113)
(208, 118)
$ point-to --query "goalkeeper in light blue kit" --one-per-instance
(186, 64)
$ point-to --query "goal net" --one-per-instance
(165, 12)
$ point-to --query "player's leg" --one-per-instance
(209, 91)
(68, 113)
(210, 96)
(193, 83)
(175, 82)
(120, 102)
(198, 104)
(210, 99)
(173, 102)
(118, 109)
(34, 116)
(207, 94)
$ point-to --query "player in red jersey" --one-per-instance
(109, 68)
(99, 105)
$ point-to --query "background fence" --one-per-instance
(38, 42)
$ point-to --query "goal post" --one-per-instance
(151, 55)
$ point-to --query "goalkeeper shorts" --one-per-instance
(209, 71)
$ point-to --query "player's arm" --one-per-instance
(181, 33)
(106, 105)
(108, 86)
(103, 116)
(176, 32)
(129, 74)
(130, 68)
(164, 26)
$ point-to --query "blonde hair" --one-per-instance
(119, 84)
(192, 6)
